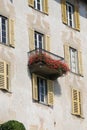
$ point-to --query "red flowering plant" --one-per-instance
(60, 66)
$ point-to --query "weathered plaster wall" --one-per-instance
(18, 104)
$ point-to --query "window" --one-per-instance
(42, 90)
(11, 1)
(41, 5)
(76, 102)
(7, 31)
(4, 75)
(73, 60)
(70, 14)
(39, 40)
(3, 30)
(38, 4)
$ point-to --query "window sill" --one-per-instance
(76, 74)
(5, 90)
(42, 12)
(78, 116)
(6, 45)
(73, 28)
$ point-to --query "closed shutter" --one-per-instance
(31, 39)
(35, 87)
(80, 63)
(47, 42)
(11, 33)
(45, 6)
(63, 8)
(31, 3)
(76, 102)
(4, 75)
(50, 92)
(67, 54)
(77, 21)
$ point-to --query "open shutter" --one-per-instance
(47, 42)
(77, 21)
(31, 39)
(4, 75)
(31, 3)
(67, 54)
(80, 63)
(11, 33)
(35, 87)
(63, 8)
(76, 103)
(45, 6)
(50, 92)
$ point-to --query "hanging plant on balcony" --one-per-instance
(51, 63)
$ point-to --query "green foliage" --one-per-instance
(12, 125)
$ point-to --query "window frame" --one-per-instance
(70, 14)
(3, 30)
(73, 60)
(37, 41)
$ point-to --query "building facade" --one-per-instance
(39, 96)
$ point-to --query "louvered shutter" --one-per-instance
(31, 3)
(31, 39)
(50, 92)
(80, 63)
(11, 33)
(77, 21)
(76, 102)
(47, 42)
(35, 87)
(4, 75)
(45, 6)
(67, 54)
(63, 8)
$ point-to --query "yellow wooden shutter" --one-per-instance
(47, 42)
(67, 54)
(4, 75)
(76, 102)
(31, 3)
(11, 33)
(63, 8)
(77, 21)
(35, 87)
(31, 39)
(50, 92)
(45, 6)
(80, 63)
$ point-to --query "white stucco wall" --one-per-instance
(18, 104)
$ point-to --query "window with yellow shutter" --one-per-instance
(6, 31)
(73, 58)
(40, 5)
(4, 75)
(70, 14)
(42, 90)
(76, 102)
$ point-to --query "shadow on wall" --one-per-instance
(57, 88)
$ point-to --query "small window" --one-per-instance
(3, 30)
(38, 4)
(4, 75)
(74, 60)
(76, 102)
(70, 14)
(42, 90)
(38, 40)
(11, 1)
